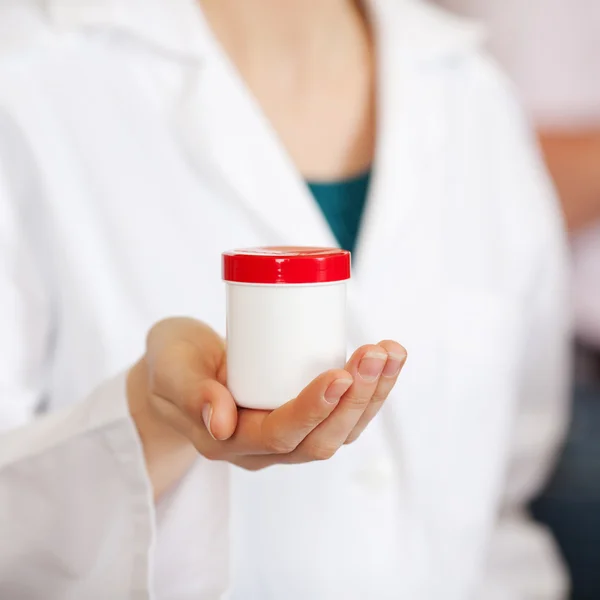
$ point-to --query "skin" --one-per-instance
(180, 403)
(574, 162)
(310, 66)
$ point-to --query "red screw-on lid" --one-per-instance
(286, 264)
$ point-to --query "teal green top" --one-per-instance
(342, 204)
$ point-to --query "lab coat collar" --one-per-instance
(230, 138)
(168, 26)
(424, 32)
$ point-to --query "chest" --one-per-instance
(141, 203)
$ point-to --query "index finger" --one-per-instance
(282, 430)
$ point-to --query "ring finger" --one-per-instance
(366, 366)
(393, 367)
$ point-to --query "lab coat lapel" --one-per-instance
(229, 138)
(404, 215)
(223, 132)
(412, 38)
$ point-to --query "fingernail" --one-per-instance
(207, 416)
(371, 365)
(336, 390)
(393, 364)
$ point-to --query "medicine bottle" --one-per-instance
(286, 320)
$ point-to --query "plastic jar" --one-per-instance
(286, 320)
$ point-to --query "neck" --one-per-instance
(288, 29)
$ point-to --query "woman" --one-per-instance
(139, 140)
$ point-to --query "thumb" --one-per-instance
(184, 359)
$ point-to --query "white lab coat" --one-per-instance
(131, 157)
(551, 49)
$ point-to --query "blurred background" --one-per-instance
(551, 50)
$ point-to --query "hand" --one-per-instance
(180, 388)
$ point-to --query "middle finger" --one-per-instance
(395, 363)
(366, 366)
(282, 430)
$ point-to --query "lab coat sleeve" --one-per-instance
(545, 393)
(75, 504)
(76, 510)
(542, 409)
(25, 310)
(542, 264)
(517, 545)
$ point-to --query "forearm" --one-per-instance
(574, 163)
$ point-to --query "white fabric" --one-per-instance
(132, 156)
(552, 50)
(62, 535)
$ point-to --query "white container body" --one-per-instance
(280, 337)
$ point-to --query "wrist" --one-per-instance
(167, 453)
(137, 390)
